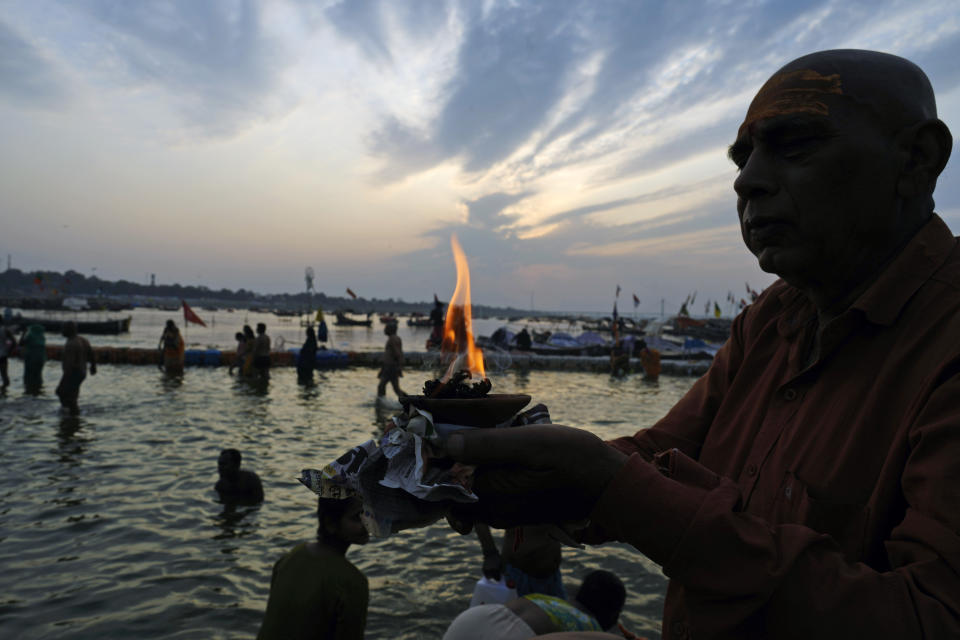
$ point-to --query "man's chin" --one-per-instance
(792, 266)
(769, 258)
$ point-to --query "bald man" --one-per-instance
(808, 486)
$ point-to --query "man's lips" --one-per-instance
(763, 230)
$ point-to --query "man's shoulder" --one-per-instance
(248, 477)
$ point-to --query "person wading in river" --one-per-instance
(77, 354)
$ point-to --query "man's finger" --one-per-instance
(521, 445)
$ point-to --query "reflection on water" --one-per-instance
(171, 381)
(109, 525)
(233, 522)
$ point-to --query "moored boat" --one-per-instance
(344, 320)
(54, 324)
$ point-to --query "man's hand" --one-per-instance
(491, 566)
(533, 474)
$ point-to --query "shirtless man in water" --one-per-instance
(77, 353)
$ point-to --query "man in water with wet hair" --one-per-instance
(808, 485)
(236, 484)
(77, 354)
(315, 592)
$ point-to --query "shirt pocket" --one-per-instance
(845, 522)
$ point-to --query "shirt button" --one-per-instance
(788, 492)
(752, 470)
(790, 394)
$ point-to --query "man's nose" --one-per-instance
(756, 177)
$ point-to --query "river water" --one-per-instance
(110, 528)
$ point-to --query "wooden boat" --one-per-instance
(344, 320)
(111, 326)
(419, 320)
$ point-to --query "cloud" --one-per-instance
(213, 60)
(487, 211)
(372, 24)
(28, 77)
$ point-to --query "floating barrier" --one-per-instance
(333, 358)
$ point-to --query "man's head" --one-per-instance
(261, 328)
(390, 329)
(339, 521)
(603, 595)
(228, 464)
(248, 331)
(171, 325)
(69, 329)
(838, 155)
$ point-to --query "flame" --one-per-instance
(458, 326)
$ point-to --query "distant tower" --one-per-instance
(153, 279)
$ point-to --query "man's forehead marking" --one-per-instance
(792, 92)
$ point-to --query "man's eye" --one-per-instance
(740, 158)
(796, 148)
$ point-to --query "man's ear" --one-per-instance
(926, 148)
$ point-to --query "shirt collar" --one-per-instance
(919, 260)
(882, 302)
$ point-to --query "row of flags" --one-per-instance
(753, 294)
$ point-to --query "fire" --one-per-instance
(458, 327)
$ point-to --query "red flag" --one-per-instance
(636, 301)
(352, 294)
(190, 316)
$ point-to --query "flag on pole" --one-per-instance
(190, 316)
(636, 301)
(351, 293)
(716, 310)
(616, 320)
(618, 292)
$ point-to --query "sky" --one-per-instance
(572, 146)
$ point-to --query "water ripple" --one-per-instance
(109, 525)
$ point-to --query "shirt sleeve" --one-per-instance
(739, 571)
(686, 425)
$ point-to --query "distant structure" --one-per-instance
(153, 279)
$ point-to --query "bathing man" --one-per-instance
(236, 484)
(77, 354)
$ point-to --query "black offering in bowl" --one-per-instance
(457, 401)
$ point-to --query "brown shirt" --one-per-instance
(812, 502)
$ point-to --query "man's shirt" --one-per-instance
(817, 501)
